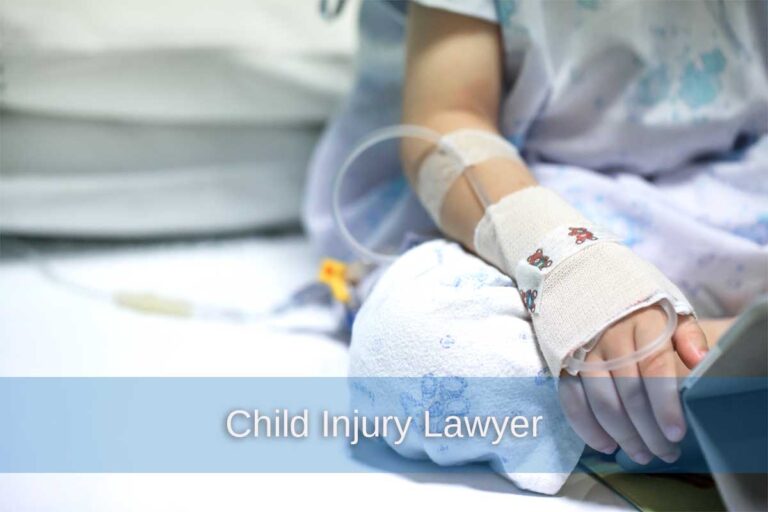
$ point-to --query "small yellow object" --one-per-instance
(151, 303)
(333, 273)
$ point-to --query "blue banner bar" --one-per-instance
(325, 425)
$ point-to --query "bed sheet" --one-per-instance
(48, 330)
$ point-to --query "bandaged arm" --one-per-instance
(453, 82)
(565, 267)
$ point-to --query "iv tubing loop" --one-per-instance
(376, 137)
(582, 366)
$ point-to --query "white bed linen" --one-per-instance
(49, 331)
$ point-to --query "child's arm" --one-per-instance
(453, 81)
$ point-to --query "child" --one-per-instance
(649, 118)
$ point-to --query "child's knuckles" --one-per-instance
(631, 443)
(613, 345)
(658, 364)
(618, 330)
(604, 407)
(671, 415)
(688, 326)
(573, 412)
(633, 397)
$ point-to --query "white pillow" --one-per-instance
(176, 60)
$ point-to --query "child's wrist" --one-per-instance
(514, 226)
(588, 292)
(575, 278)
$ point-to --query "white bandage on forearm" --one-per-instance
(457, 151)
(574, 278)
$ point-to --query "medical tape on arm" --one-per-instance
(574, 278)
(457, 152)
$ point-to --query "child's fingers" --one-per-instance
(608, 409)
(629, 385)
(580, 416)
(659, 377)
(690, 342)
(640, 411)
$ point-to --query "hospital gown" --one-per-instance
(649, 117)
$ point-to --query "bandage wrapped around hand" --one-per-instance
(575, 278)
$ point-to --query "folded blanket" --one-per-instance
(445, 334)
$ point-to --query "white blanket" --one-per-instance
(436, 326)
(48, 331)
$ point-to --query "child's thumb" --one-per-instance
(690, 342)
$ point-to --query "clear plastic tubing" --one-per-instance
(384, 134)
(576, 365)
(419, 132)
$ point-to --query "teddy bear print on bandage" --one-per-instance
(556, 246)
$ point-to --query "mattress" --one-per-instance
(50, 329)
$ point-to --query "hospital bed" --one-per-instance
(50, 329)
(155, 120)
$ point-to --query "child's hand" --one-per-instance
(637, 406)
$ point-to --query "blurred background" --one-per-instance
(153, 157)
(151, 119)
